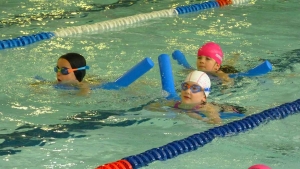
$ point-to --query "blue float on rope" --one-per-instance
(25, 40)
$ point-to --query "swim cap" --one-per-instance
(212, 50)
(259, 166)
(200, 78)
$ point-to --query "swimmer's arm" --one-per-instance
(195, 116)
(38, 86)
(212, 114)
(158, 106)
(226, 80)
(230, 108)
(41, 83)
(84, 89)
(220, 74)
(211, 118)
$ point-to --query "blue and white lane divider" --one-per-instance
(260, 69)
(111, 24)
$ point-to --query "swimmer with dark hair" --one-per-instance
(71, 69)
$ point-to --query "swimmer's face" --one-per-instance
(205, 63)
(65, 78)
(188, 97)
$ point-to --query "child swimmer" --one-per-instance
(71, 70)
(194, 93)
(209, 59)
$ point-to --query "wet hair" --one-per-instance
(76, 61)
(228, 69)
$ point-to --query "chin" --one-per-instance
(182, 101)
(186, 101)
(201, 69)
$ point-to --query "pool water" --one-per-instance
(42, 127)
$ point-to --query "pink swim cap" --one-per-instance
(212, 50)
(259, 166)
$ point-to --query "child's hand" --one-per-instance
(158, 106)
(212, 113)
(213, 117)
(227, 108)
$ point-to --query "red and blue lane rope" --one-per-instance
(30, 39)
(202, 6)
(198, 140)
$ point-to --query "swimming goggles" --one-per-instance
(194, 88)
(66, 71)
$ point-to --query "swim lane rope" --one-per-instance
(115, 23)
(198, 140)
(177, 147)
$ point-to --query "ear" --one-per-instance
(217, 67)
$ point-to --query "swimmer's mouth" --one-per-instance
(58, 80)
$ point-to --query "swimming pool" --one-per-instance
(46, 128)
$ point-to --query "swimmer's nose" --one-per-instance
(188, 90)
(201, 60)
(58, 74)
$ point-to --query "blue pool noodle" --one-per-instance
(167, 76)
(179, 56)
(261, 69)
(123, 81)
(130, 76)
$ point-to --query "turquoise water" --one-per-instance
(46, 128)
